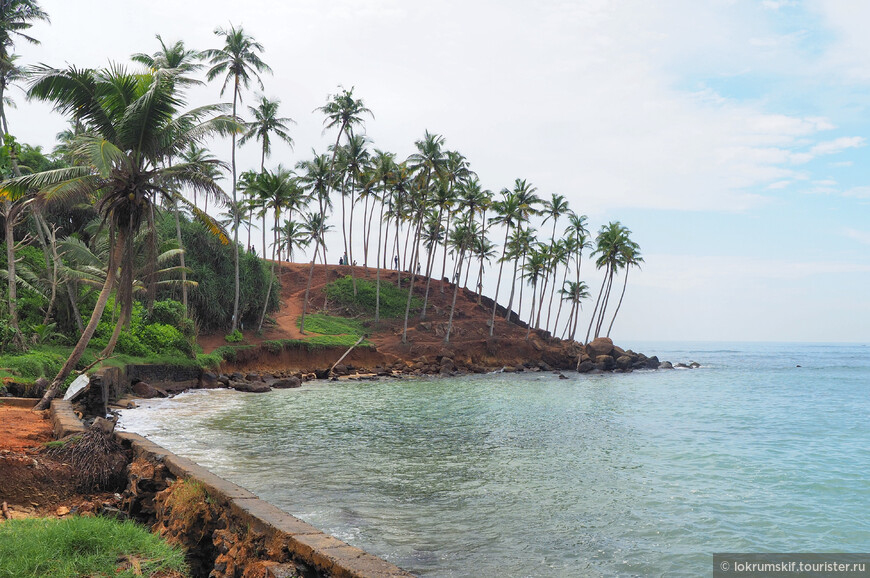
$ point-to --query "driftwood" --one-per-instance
(346, 353)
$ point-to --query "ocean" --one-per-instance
(764, 448)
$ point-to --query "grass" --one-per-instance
(393, 299)
(330, 325)
(83, 546)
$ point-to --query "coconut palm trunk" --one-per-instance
(597, 302)
(455, 293)
(498, 283)
(99, 307)
(618, 305)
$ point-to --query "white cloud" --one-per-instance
(860, 236)
(838, 145)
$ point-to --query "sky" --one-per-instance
(730, 136)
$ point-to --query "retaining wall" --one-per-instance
(243, 533)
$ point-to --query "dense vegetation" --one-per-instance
(360, 300)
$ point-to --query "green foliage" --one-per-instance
(147, 336)
(211, 266)
(79, 546)
(393, 299)
(234, 337)
(34, 364)
(330, 325)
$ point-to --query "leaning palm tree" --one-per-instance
(266, 122)
(507, 213)
(135, 123)
(630, 258)
(238, 60)
(610, 243)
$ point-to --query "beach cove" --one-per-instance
(526, 474)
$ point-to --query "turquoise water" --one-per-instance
(642, 474)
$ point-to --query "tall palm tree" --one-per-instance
(427, 162)
(507, 213)
(266, 122)
(345, 112)
(135, 124)
(181, 61)
(457, 172)
(532, 271)
(630, 258)
(461, 238)
(16, 17)
(609, 246)
(554, 208)
(173, 57)
(384, 171)
(238, 60)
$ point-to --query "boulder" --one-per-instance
(599, 346)
(617, 352)
(250, 387)
(208, 380)
(653, 362)
(142, 389)
(224, 380)
(694, 365)
(605, 360)
(585, 366)
(666, 365)
(339, 369)
(236, 376)
(253, 377)
(624, 362)
(287, 382)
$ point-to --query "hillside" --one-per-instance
(469, 345)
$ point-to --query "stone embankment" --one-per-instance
(228, 531)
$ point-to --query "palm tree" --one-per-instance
(279, 192)
(630, 258)
(293, 235)
(239, 61)
(181, 61)
(135, 124)
(345, 112)
(553, 209)
(427, 162)
(266, 121)
(461, 239)
(384, 171)
(575, 292)
(609, 246)
(532, 271)
(457, 172)
(173, 57)
(507, 213)
(16, 17)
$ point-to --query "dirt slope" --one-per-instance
(469, 339)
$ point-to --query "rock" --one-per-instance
(104, 424)
(694, 365)
(653, 362)
(604, 360)
(624, 362)
(208, 380)
(62, 511)
(544, 366)
(224, 380)
(145, 390)
(666, 365)
(115, 513)
(447, 363)
(599, 346)
(617, 352)
(681, 366)
(585, 366)
(253, 377)
(236, 376)
(424, 326)
(287, 382)
(250, 387)
(562, 376)
(339, 369)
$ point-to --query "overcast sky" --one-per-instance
(730, 136)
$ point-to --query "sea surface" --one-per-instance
(766, 447)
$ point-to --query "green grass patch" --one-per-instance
(77, 546)
(330, 325)
(393, 299)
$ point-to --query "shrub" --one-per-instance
(234, 337)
